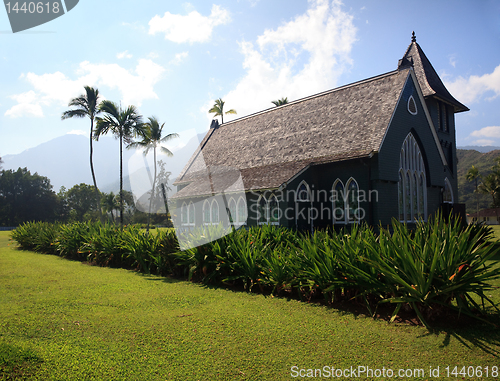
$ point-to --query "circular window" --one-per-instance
(412, 106)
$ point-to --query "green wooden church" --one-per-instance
(370, 151)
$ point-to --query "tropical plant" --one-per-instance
(152, 139)
(473, 175)
(87, 105)
(218, 109)
(123, 124)
(280, 102)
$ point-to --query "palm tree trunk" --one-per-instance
(97, 193)
(121, 180)
(477, 204)
(152, 190)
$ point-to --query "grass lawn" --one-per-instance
(65, 320)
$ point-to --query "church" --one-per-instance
(370, 151)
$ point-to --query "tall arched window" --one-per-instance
(412, 189)
(338, 194)
(215, 212)
(352, 209)
(274, 211)
(242, 211)
(184, 213)
(191, 213)
(303, 193)
(206, 212)
(232, 211)
(448, 193)
(262, 210)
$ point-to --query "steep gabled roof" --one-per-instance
(270, 147)
(428, 79)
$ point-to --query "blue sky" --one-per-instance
(173, 59)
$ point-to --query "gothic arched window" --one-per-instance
(412, 190)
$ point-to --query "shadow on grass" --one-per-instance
(17, 363)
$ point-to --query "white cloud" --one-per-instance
(190, 28)
(469, 90)
(179, 57)
(453, 61)
(77, 132)
(483, 142)
(124, 54)
(56, 88)
(302, 57)
(28, 105)
(488, 132)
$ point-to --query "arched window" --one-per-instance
(448, 193)
(274, 211)
(412, 106)
(215, 212)
(191, 213)
(338, 194)
(353, 213)
(303, 193)
(184, 213)
(206, 212)
(412, 189)
(242, 211)
(232, 211)
(262, 210)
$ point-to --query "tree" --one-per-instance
(109, 203)
(79, 202)
(152, 139)
(25, 197)
(123, 124)
(473, 175)
(1, 161)
(491, 185)
(280, 102)
(218, 109)
(87, 105)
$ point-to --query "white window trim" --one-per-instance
(335, 221)
(447, 182)
(238, 220)
(408, 105)
(411, 164)
(184, 208)
(266, 211)
(308, 192)
(355, 220)
(269, 210)
(205, 204)
(194, 214)
(211, 212)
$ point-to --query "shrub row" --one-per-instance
(431, 269)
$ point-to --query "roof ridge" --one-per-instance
(323, 93)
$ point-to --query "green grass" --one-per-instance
(64, 320)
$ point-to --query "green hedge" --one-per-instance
(433, 268)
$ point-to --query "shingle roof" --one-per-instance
(428, 79)
(270, 147)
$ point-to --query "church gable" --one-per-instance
(411, 116)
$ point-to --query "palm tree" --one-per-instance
(473, 175)
(152, 139)
(280, 102)
(491, 186)
(109, 203)
(218, 109)
(87, 105)
(123, 124)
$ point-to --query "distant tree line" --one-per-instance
(29, 197)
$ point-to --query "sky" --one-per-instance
(172, 59)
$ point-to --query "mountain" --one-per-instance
(483, 162)
(482, 149)
(65, 161)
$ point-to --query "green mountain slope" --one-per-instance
(483, 162)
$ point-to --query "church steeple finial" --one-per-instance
(413, 37)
